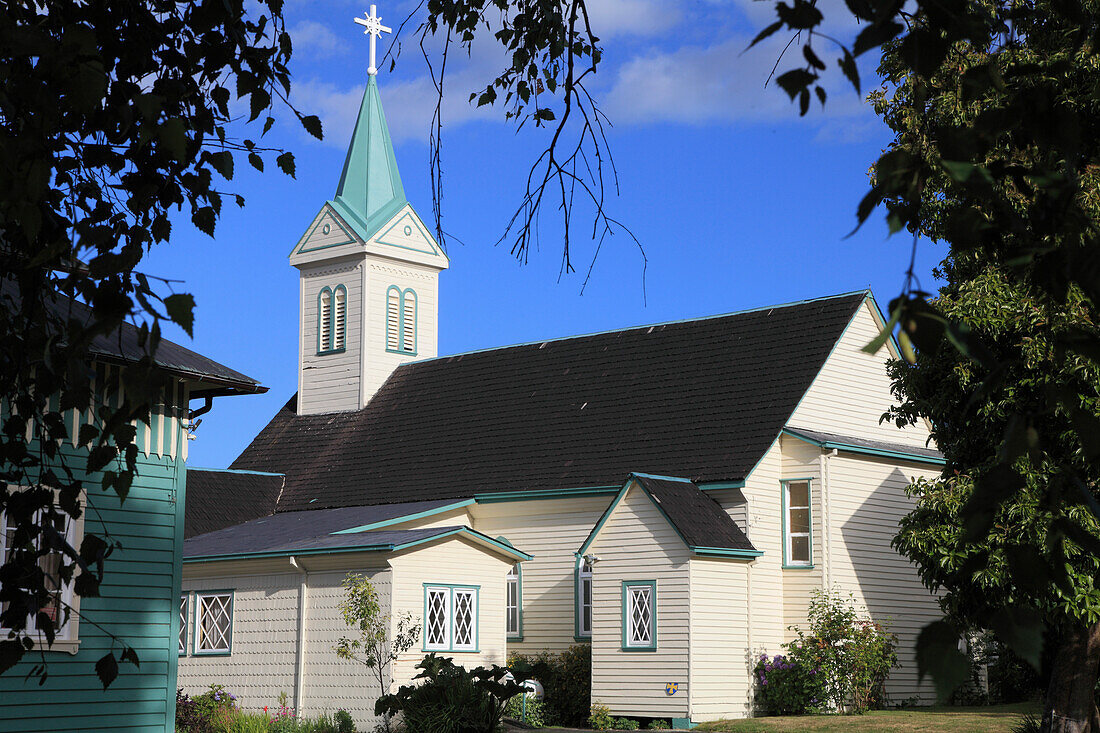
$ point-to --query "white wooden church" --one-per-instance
(670, 494)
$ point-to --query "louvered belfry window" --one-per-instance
(340, 318)
(401, 315)
(324, 321)
(393, 319)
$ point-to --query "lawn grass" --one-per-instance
(991, 719)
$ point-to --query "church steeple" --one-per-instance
(370, 190)
(369, 268)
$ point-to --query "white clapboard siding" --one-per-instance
(453, 561)
(330, 382)
(551, 530)
(637, 543)
(721, 664)
(852, 390)
(802, 460)
(867, 498)
(767, 626)
(379, 340)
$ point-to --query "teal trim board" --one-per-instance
(864, 449)
(787, 564)
(327, 212)
(683, 724)
(725, 552)
(624, 618)
(534, 494)
(407, 518)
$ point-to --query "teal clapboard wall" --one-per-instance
(139, 603)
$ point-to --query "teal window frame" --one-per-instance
(516, 635)
(401, 295)
(784, 490)
(625, 616)
(579, 633)
(323, 348)
(197, 595)
(450, 645)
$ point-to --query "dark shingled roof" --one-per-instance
(123, 346)
(697, 517)
(846, 441)
(259, 534)
(232, 541)
(219, 499)
(702, 399)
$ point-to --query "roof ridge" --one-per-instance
(234, 470)
(865, 292)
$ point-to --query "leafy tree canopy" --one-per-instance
(112, 115)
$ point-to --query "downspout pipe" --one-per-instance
(826, 535)
(300, 661)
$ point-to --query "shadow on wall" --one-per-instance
(882, 579)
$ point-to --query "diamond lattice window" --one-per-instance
(639, 617)
(450, 618)
(213, 622)
(183, 624)
(465, 619)
(438, 623)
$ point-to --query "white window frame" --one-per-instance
(584, 581)
(199, 637)
(66, 637)
(185, 607)
(788, 536)
(449, 592)
(633, 590)
(513, 603)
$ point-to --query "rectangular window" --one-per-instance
(183, 624)
(213, 622)
(61, 598)
(513, 603)
(450, 618)
(584, 599)
(798, 537)
(639, 615)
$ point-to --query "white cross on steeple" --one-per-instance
(373, 28)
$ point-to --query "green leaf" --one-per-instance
(771, 29)
(107, 669)
(11, 651)
(875, 35)
(820, 95)
(223, 163)
(1021, 628)
(256, 162)
(847, 64)
(812, 58)
(204, 220)
(173, 137)
(181, 309)
(544, 114)
(938, 657)
(795, 81)
(313, 126)
(286, 163)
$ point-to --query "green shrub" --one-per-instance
(344, 723)
(786, 686)
(659, 724)
(566, 679)
(244, 722)
(600, 717)
(852, 653)
(450, 699)
(533, 714)
(624, 724)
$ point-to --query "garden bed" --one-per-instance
(991, 719)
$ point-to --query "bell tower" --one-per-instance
(369, 272)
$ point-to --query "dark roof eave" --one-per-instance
(219, 386)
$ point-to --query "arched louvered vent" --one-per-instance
(393, 319)
(324, 321)
(408, 322)
(340, 318)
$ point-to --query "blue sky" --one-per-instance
(737, 202)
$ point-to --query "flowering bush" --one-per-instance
(787, 686)
(853, 653)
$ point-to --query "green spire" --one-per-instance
(370, 190)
